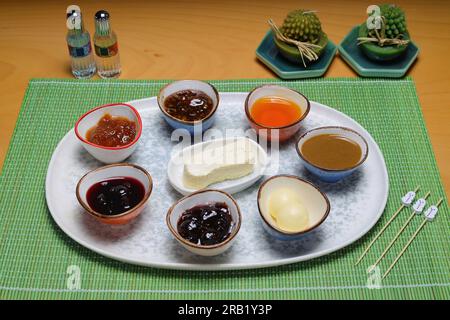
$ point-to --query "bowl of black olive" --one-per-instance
(205, 222)
(189, 105)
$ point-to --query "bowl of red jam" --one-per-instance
(115, 194)
(189, 104)
(205, 222)
(110, 132)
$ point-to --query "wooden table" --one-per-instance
(209, 39)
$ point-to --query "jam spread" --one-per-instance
(115, 196)
(188, 105)
(112, 131)
(206, 224)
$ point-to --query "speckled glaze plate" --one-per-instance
(356, 202)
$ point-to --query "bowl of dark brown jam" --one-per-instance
(115, 194)
(189, 105)
(205, 222)
(110, 132)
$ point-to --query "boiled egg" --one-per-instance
(280, 198)
(286, 208)
(293, 218)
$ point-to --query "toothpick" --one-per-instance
(382, 230)
(409, 242)
(413, 213)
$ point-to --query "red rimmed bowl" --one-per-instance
(276, 133)
(91, 118)
(109, 172)
(198, 198)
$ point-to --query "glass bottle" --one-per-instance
(79, 45)
(106, 49)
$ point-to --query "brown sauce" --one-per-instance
(188, 105)
(331, 151)
(112, 131)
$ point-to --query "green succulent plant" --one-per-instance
(302, 25)
(394, 21)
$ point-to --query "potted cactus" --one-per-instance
(301, 38)
(386, 37)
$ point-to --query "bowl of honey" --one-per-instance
(276, 112)
(189, 105)
(332, 153)
(110, 132)
(116, 193)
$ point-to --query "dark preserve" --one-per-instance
(115, 196)
(188, 105)
(206, 224)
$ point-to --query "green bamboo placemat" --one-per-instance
(37, 258)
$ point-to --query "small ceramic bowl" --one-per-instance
(198, 198)
(194, 127)
(276, 133)
(314, 200)
(110, 172)
(330, 175)
(91, 118)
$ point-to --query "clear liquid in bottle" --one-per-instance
(79, 45)
(106, 48)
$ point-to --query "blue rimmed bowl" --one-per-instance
(332, 175)
(194, 127)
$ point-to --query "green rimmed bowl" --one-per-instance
(377, 53)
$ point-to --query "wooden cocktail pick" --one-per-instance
(417, 208)
(407, 200)
(430, 214)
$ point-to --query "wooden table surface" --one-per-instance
(209, 39)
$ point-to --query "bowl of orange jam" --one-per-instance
(276, 112)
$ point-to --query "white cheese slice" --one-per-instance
(219, 162)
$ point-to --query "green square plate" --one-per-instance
(268, 53)
(349, 51)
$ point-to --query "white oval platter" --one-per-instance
(357, 202)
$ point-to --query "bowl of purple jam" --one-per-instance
(205, 222)
(115, 194)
